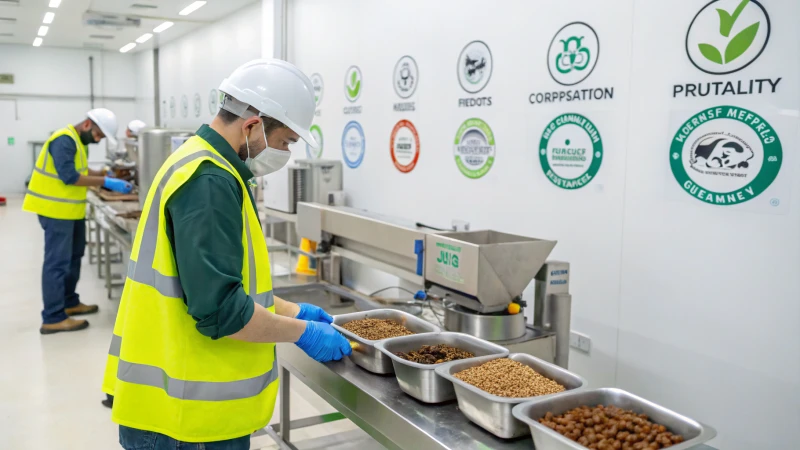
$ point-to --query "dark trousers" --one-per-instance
(133, 439)
(64, 243)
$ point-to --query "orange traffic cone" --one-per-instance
(306, 265)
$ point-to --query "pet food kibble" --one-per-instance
(608, 421)
(375, 329)
(435, 354)
(508, 378)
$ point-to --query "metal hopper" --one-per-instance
(483, 270)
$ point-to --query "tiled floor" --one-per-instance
(50, 385)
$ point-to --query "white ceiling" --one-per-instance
(68, 30)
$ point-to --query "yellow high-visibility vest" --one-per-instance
(167, 377)
(47, 195)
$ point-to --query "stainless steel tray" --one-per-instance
(420, 380)
(493, 412)
(364, 353)
(693, 432)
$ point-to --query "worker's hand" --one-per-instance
(313, 313)
(321, 342)
(115, 184)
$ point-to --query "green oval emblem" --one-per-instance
(474, 148)
(570, 151)
(725, 155)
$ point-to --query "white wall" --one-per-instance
(198, 62)
(51, 90)
(689, 304)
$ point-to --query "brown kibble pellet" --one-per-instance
(375, 329)
(508, 378)
(613, 428)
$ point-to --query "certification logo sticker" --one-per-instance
(727, 35)
(474, 66)
(404, 146)
(573, 53)
(570, 151)
(184, 106)
(198, 104)
(406, 77)
(316, 133)
(353, 144)
(213, 98)
(474, 148)
(725, 155)
(352, 84)
(319, 87)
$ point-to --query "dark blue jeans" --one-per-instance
(133, 439)
(64, 243)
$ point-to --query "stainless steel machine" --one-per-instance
(478, 276)
(152, 149)
(308, 180)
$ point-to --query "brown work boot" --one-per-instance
(81, 309)
(67, 324)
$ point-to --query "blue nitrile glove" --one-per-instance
(323, 343)
(115, 184)
(313, 313)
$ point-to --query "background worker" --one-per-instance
(57, 193)
(192, 362)
(134, 127)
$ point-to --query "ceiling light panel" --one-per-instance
(144, 38)
(192, 8)
(48, 17)
(163, 27)
(43, 30)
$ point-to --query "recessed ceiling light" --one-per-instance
(55, 3)
(48, 17)
(163, 27)
(43, 30)
(144, 38)
(192, 8)
(37, 42)
(127, 47)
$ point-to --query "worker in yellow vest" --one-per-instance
(192, 360)
(57, 193)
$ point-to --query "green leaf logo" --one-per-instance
(738, 44)
(353, 85)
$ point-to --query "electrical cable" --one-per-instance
(392, 287)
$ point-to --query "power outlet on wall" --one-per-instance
(580, 342)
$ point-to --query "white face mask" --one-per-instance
(268, 161)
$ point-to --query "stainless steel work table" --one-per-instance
(377, 405)
(107, 221)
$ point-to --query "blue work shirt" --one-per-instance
(63, 149)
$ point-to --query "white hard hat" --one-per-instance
(276, 89)
(136, 126)
(107, 122)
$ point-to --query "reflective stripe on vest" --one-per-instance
(142, 271)
(54, 199)
(190, 390)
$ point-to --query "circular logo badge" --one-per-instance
(213, 97)
(474, 66)
(319, 87)
(353, 144)
(352, 83)
(474, 148)
(184, 105)
(172, 107)
(570, 151)
(573, 53)
(404, 146)
(727, 35)
(406, 76)
(316, 133)
(725, 155)
(198, 104)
